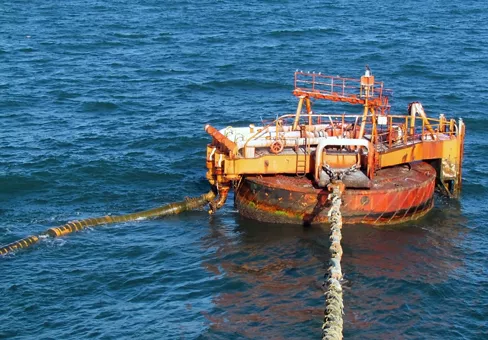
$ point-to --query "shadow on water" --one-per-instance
(271, 274)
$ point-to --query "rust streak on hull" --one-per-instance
(398, 194)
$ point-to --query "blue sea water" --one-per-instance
(102, 108)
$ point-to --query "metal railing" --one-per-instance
(390, 131)
(346, 88)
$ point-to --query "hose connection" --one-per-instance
(223, 192)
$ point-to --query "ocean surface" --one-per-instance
(102, 108)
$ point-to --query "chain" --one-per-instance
(338, 175)
(334, 306)
(329, 171)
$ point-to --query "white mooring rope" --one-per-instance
(334, 307)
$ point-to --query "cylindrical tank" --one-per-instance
(397, 194)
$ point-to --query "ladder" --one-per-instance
(302, 155)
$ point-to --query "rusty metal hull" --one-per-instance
(398, 194)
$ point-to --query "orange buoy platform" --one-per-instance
(386, 165)
(398, 194)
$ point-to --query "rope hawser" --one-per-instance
(333, 322)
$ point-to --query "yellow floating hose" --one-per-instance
(73, 226)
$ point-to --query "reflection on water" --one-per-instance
(271, 275)
(423, 250)
(395, 273)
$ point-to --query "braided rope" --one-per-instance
(334, 306)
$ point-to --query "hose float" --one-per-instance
(73, 226)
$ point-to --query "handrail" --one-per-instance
(341, 120)
(432, 121)
(341, 89)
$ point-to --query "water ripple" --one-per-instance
(103, 107)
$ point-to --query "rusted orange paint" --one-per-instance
(398, 194)
(269, 193)
(221, 139)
